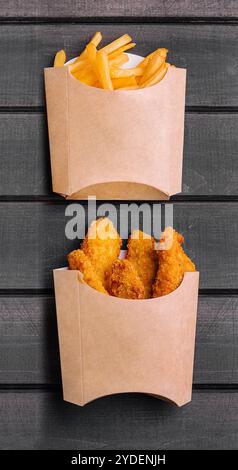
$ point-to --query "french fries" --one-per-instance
(162, 52)
(133, 72)
(118, 60)
(96, 39)
(154, 64)
(157, 77)
(91, 52)
(103, 68)
(124, 82)
(60, 59)
(117, 44)
(121, 49)
(89, 78)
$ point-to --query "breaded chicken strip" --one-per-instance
(142, 255)
(78, 260)
(173, 263)
(102, 246)
(124, 282)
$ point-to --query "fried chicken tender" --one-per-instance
(142, 255)
(124, 282)
(102, 246)
(78, 260)
(173, 263)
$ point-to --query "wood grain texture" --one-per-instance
(210, 165)
(114, 8)
(210, 155)
(28, 341)
(216, 356)
(41, 420)
(24, 150)
(207, 51)
(29, 346)
(32, 242)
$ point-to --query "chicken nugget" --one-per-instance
(173, 263)
(78, 260)
(124, 282)
(142, 255)
(102, 246)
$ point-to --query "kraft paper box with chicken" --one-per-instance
(140, 337)
(116, 123)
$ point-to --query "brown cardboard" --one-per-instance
(110, 345)
(123, 144)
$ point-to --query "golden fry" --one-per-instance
(133, 72)
(145, 61)
(77, 65)
(80, 74)
(162, 52)
(103, 70)
(157, 77)
(118, 60)
(141, 253)
(60, 59)
(96, 39)
(173, 263)
(121, 49)
(89, 78)
(132, 87)
(123, 82)
(114, 45)
(91, 52)
(124, 282)
(154, 64)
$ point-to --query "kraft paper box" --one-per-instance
(110, 345)
(124, 144)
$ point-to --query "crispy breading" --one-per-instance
(78, 260)
(102, 246)
(142, 255)
(124, 282)
(173, 263)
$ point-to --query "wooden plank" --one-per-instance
(29, 341)
(41, 420)
(210, 155)
(25, 160)
(210, 164)
(29, 346)
(207, 51)
(104, 8)
(32, 241)
(216, 357)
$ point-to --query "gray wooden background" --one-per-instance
(202, 36)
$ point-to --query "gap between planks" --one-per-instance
(33, 20)
(188, 109)
(57, 387)
(58, 200)
(50, 292)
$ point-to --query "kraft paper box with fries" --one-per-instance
(127, 320)
(116, 123)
